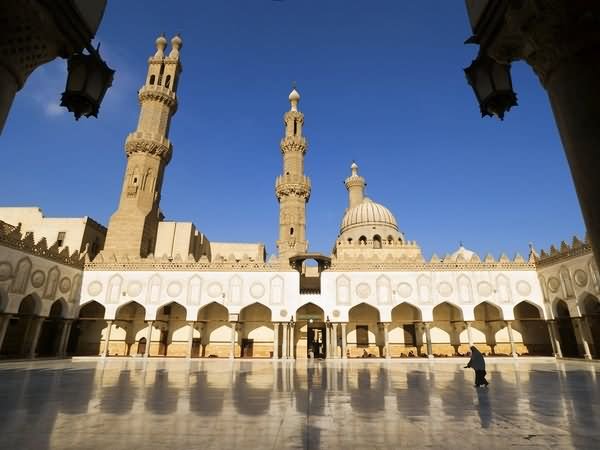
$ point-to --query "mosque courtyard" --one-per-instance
(124, 403)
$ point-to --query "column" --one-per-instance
(190, 342)
(276, 340)
(428, 338)
(148, 339)
(579, 325)
(4, 321)
(552, 329)
(30, 320)
(328, 339)
(201, 326)
(344, 355)
(284, 349)
(37, 328)
(64, 338)
(334, 340)
(292, 343)
(469, 335)
(232, 348)
(513, 349)
(386, 340)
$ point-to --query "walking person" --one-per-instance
(477, 363)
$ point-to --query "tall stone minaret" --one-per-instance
(293, 187)
(133, 227)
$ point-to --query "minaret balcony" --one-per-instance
(293, 144)
(158, 93)
(286, 185)
(140, 142)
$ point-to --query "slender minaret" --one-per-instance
(133, 227)
(293, 187)
(356, 187)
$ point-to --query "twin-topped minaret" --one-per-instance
(133, 227)
(293, 187)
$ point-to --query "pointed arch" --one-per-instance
(424, 288)
(567, 282)
(527, 310)
(447, 312)
(503, 290)
(22, 273)
(30, 305)
(310, 311)
(76, 289)
(91, 310)
(465, 289)
(365, 312)
(58, 309)
(544, 287)
(342, 291)
(276, 286)
(51, 282)
(194, 293)
(171, 311)
(235, 290)
(113, 290)
(130, 311)
(406, 312)
(213, 311)
(384, 290)
(487, 312)
(154, 289)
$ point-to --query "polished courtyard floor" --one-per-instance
(364, 404)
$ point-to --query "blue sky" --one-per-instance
(381, 83)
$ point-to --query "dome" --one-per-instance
(463, 252)
(294, 95)
(368, 213)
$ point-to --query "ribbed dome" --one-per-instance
(368, 212)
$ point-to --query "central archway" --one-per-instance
(487, 328)
(128, 327)
(256, 331)
(309, 336)
(51, 332)
(173, 337)
(18, 337)
(86, 335)
(531, 330)
(445, 339)
(403, 336)
(215, 336)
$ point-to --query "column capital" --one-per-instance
(546, 34)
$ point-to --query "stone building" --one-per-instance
(161, 288)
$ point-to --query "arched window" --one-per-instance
(291, 231)
(168, 81)
(160, 74)
(349, 240)
(362, 240)
(390, 239)
(295, 127)
(376, 241)
(152, 79)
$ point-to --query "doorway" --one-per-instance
(247, 348)
(316, 341)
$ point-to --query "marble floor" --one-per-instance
(218, 404)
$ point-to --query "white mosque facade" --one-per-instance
(147, 287)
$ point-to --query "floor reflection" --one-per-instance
(124, 403)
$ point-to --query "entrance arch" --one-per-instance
(256, 331)
(364, 336)
(403, 335)
(215, 335)
(568, 341)
(129, 325)
(530, 330)
(310, 333)
(591, 316)
(445, 338)
(19, 334)
(86, 335)
(489, 321)
(172, 340)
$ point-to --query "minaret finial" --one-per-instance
(294, 97)
(161, 44)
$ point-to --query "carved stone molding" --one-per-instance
(547, 33)
(139, 143)
(290, 144)
(158, 94)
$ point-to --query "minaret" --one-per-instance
(356, 187)
(293, 187)
(133, 227)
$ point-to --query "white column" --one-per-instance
(148, 339)
(582, 335)
(276, 326)
(469, 335)
(284, 348)
(334, 340)
(232, 348)
(292, 342)
(37, 328)
(344, 356)
(64, 338)
(552, 329)
(4, 321)
(428, 338)
(190, 342)
(386, 340)
(513, 349)
(328, 339)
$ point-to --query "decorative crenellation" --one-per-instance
(564, 251)
(421, 266)
(11, 236)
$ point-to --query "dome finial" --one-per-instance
(354, 168)
(294, 97)
(161, 44)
